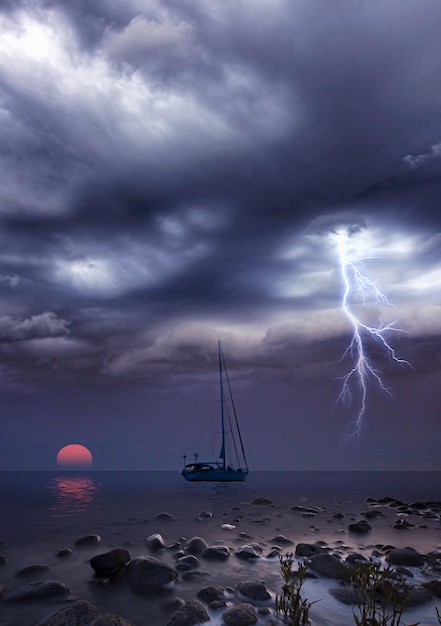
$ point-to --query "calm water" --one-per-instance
(43, 512)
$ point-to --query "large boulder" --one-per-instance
(110, 563)
(308, 549)
(80, 613)
(329, 566)
(193, 612)
(145, 573)
(195, 546)
(37, 591)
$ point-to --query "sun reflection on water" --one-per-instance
(73, 494)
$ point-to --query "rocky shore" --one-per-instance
(166, 573)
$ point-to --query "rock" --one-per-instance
(274, 553)
(310, 510)
(211, 593)
(337, 515)
(434, 586)
(64, 552)
(195, 545)
(403, 524)
(164, 516)
(31, 570)
(145, 573)
(344, 594)
(262, 502)
(110, 620)
(360, 527)
(282, 540)
(3, 560)
(110, 563)
(154, 542)
(205, 515)
(418, 595)
(249, 552)
(88, 540)
(171, 606)
(240, 615)
(193, 612)
(253, 590)
(79, 613)
(405, 556)
(215, 605)
(228, 526)
(37, 591)
(187, 563)
(354, 558)
(308, 549)
(328, 566)
(216, 553)
(2, 591)
(195, 574)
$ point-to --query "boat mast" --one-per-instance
(222, 452)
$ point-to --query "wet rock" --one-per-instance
(262, 502)
(240, 615)
(282, 540)
(64, 552)
(37, 591)
(187, 563)
(344, 594)
(403, 524)
(195, 575)
(171, 606)
(360, 527)
(215, 605)
(274, 553)
(31, 570)
(309, 510)
(193, 612)
(110, 563)
(211, 593)
(434, 586)
(253, 590)
(249, 552)
(418, 595)
(88, 540)
(308, 549)
(216, 553)
(195, 545)
(329, 566)
(154, 542)
(354, 558)
(205, 515)
(79, 613)
(164, 516)
(245, 536)
(405, 556)
(109, 619)
(337, 515)
(146, 573)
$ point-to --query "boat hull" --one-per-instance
(214, 475)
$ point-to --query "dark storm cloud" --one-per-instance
(165, 162)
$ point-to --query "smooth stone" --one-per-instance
(403, 524)
(253, 590)
(274, 553)
(405, 556)
(360, 527)
(308, 549)
(195, 545)
(193, 612)
(31, 570)
(240, 615)
(216, 553)
(79, 613)
(110, 562)
(215, 605)
(164, 516)
(88, 540)
(329, 566)
(434, 586)
(344, 594)
(64, 553)
(262, 502)
(108, 619)
(171, 606)
(205, 515)
(195, 574)
(146, 573)
(37, 591)
(418, 595)
(186, 563)
(306, 509)
(282, 540)
(154, 542)
(211, 593)
(354, 558)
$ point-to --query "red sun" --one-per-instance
(74, 456)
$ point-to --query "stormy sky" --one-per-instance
(175, 172)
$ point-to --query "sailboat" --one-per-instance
(222, 470)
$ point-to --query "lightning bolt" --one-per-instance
(356, 282)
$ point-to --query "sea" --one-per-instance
(42, 513)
